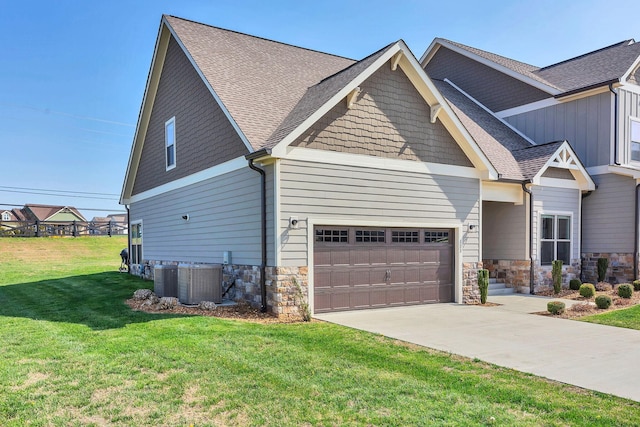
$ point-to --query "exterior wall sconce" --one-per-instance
(185, 217)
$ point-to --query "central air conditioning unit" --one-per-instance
(199, 282)
(165, 280)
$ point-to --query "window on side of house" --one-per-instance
(5, 216)
(635, 140)
(136, 243)
(170, 143)
(555, 239)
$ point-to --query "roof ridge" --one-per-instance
(258, 37)
(356, 62)
(619, 44)
(471, 49)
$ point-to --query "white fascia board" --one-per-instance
(382, 163)
(618, 170)
(578, 171)
(544, 103)
(626, 75)
(431, 50)
(479, 104)
(148, 98)
(280, 148)
(560, 183)
(504, 70)
(493, 191)
(210, 88)
(212, 172)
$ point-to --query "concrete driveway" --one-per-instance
(591, 356)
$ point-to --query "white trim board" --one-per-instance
(360, 160)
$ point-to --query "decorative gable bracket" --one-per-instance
(564, 159)
(435, 110)
(352, 96)
(395, 59)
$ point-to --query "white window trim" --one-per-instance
(630, 142)
(171, 121)
(6, 216)
(556, 214)
(133, 224)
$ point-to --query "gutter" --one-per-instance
(615, 123)
(263, 220)
(531, 267)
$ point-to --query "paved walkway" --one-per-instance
(595, 357)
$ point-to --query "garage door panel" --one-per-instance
(365, 274)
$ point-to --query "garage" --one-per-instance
(366, 267)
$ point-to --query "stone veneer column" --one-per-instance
(287, 290)
(470, 289)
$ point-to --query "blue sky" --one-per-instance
(73, 72)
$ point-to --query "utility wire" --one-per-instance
(16, 205)
(59, 191)
(59, 195)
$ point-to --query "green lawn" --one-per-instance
(73, 354)
(626, 318)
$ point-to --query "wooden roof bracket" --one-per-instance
(351, 97)
(395, 59)
(435, 110)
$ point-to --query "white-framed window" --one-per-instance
(555, 238)
(634, 131)
(170, 143)
(6, 216)
(135, 257)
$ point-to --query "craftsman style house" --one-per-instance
(593, 102)
(357, 184)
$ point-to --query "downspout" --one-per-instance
(128, 239)
(531, 266)
(263, 220)
(637, 236)
(615, 124)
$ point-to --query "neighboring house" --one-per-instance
(111, 224)
(52, 214)
(358, 183)
(593, 102)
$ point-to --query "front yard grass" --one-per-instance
(626, 318)
(72, 353)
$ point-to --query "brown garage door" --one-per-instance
(359, 268)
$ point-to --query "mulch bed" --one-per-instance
(587, 307)
(241, 311)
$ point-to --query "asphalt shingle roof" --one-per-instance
(598, 67)
(513, 156)
(259, 81)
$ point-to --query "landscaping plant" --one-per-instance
(556, 274)
(555, 307)
(636, 285)
(603, 301)
(587, 290)
(483, 284)
(603, 265)
(625, 290)
(574, 284)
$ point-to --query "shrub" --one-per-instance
(636, 285)
(555, 307)
(587, 290)
(625, 290)
(574, 284)
(583, 307)
(603, 301)
(603, 265)
(483, 284)
(556, 273)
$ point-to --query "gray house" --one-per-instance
(353, 184)
(591, 101)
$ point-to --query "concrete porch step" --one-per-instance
(496, 288)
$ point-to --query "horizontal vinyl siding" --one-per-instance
(552, 200)
(504, 230)
(361, 194)
(224, 216)
(585, 123)
(608, 215)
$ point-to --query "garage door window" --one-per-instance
(370, 236)
(436, 237)
(332, 235)
(409, 236)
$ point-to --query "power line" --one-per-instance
(59, 195)
(16, 205)
(62, 113)
(59, 191)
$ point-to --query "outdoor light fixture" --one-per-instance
(185, 217)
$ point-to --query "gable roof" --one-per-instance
(601, 67)
(44, 212)
(514, 157)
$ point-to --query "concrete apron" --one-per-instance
(591, 356)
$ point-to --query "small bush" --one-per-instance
(574, 284)
(603, 265)
(625, 290)
(603, 287)
(636, 285)
(603, 301)
(483, 284)
(555, 307)
(587, 290)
